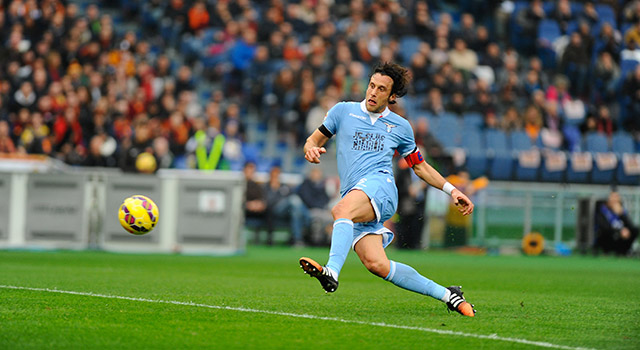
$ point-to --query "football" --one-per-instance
(138, 214)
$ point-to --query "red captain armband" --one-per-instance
(414, 158)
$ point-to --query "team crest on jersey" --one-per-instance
(389, 126)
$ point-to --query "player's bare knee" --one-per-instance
(378, 267)
(339, 212)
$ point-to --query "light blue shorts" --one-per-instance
(383, 194)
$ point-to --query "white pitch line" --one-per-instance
(313, 317)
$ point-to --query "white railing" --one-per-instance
(563, 213)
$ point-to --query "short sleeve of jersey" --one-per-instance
(407, 144)
(332, 120)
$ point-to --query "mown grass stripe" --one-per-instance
(307, 316)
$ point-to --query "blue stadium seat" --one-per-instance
(447, 134)
(596, 142)
(606, 14)
(624, 179)
(520, 141)
(447, 128)
(576, 176)
(576, 7)
(496, 140)
(252, 151)
(548, 7)
(572, 26)
(476, 157)
(472, 120)
(500, 158)
(515, 29)
(551, 175)
(408, 46)
(622, 143)
(603, 176)
(472, 140)
(627, 66)
(548, 30)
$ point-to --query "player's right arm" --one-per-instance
(313, 147)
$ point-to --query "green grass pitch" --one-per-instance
(262, 300)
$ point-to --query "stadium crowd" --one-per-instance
(100, 84)
(75, 86)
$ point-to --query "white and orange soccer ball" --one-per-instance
(138, 214)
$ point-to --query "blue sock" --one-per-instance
(341, 240)
(407, 277)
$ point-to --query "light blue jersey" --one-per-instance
(366, 141)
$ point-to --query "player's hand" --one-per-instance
(464, 204)
(313, 154)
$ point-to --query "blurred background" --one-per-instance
(531, 107)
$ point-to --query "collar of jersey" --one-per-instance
(374, 116)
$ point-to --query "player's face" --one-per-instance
(379, 93)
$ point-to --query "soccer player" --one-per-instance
(367, 135)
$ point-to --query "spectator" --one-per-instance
(467, 31)
(609, 41)
(553, 123)
(511, 120)
(25, 97)
(575, 64)
(420, 72)
(434, 104)
(423, 24)
(590, 124)
(133, 147)
(162, 152)
(481, 41)
(6, 143)
(605, 124)
(615, 233)
(463, 58)
(284, 204)
(318, 112)
(589, 14)
(532, 123)
(492, 58)
(532, 82)
(314, 195)
(607, 74)
(631, 88)
(36, 138)
(95, 155)
(587, 39)
(529, 19)
(241, 54)
(457, 103)
(232, 151)
(440, 54)
(412, 199)
(484, 104)
(631, 12)
(632, 36)
(198, 17)
(255, 200)
(109, 77)
(563, 15)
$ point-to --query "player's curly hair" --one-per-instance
(398, 74)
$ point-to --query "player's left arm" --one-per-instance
(431, 176)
